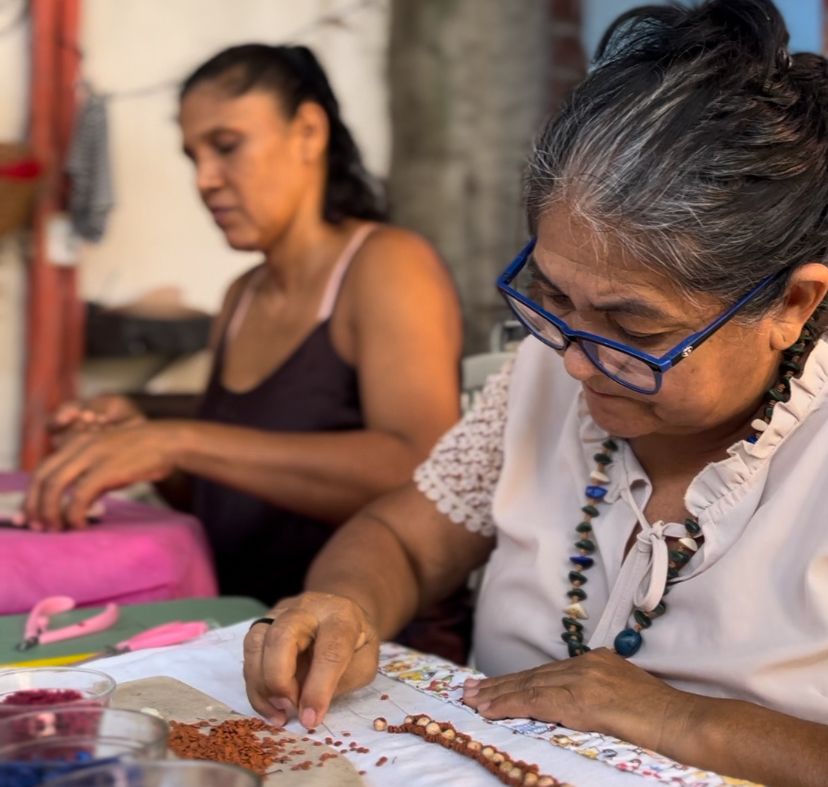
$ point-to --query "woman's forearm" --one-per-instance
(366, 563)
(327, 475)
(748, 741)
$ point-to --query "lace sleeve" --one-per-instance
(461, 474)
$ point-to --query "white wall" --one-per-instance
(14, 85)
(159, 235)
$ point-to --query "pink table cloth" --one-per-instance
(137, 553)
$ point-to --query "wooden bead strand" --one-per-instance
(515, 773)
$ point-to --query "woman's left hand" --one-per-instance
(67, 483)
(598, 692)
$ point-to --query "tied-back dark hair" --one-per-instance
(700, 143)
(295, 76)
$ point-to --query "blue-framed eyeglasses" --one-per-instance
(632, 368)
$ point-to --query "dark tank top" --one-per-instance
(261, 550)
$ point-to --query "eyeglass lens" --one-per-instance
(616, 364)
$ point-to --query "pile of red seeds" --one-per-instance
(247, 742)
(38, 697)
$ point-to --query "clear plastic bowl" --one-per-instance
(19, 688)
(48, 742)
(171, 773)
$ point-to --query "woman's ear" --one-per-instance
(807, 288)
(313, 130)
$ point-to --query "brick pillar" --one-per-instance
(825, 26)
(566, 50)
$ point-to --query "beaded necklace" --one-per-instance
(680, 550)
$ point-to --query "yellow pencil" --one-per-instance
(54, 661)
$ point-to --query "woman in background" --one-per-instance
(336, 358)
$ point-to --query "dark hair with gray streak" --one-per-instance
(699, 144)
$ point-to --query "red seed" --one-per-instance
(42, 697)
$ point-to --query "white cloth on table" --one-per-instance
(213, 664)
(748, 616)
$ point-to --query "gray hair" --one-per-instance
(699, 144)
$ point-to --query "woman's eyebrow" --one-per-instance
(631, 306)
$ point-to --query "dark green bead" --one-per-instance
(572, 623)
(672, 573)
(572, 637)
(577, 648)
(610, 444)
(584, 527)
(769, 412)
(590, 509)
(577, 576)
(642, 618)
(779, 396)
(576, 594)
(659, 610)
(603, 459)
(678, 557)
(692, 527)
(791, 366)
(586, 545)
(796, 349)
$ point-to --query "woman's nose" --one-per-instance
(208, 177)
(577, 365)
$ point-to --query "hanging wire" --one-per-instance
(337, 18)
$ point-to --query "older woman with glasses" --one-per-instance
(644, 484)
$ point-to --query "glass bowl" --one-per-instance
(171, 773)
(26, 690)
(39, 745)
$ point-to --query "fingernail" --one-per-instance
(283, 704)
(470, 691)
(308, 718)
(471, 683)
(483, 707)
(278, 719)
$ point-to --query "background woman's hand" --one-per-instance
(598, 692)
(92, 415)
(67, 483)
(318, 647)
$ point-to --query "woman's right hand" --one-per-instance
(92, 415)
(318, 647)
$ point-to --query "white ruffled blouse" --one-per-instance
(748, 615)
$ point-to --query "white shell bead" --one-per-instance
(599, 477)
(758, 425)
(690, 543)
(576, 611)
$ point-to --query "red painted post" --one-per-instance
(53, 325)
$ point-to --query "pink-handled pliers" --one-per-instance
(172, 633)
(37, 631)
(166, 634)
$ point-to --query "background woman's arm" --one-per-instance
(405, 337)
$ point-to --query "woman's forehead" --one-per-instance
(209, 105)
(598, 268)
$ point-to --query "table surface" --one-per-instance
(138, 553)
(213, 663)
(134, 618)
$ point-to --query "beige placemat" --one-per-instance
(176, 701)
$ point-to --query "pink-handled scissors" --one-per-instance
(166, 634)
(37, 631)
